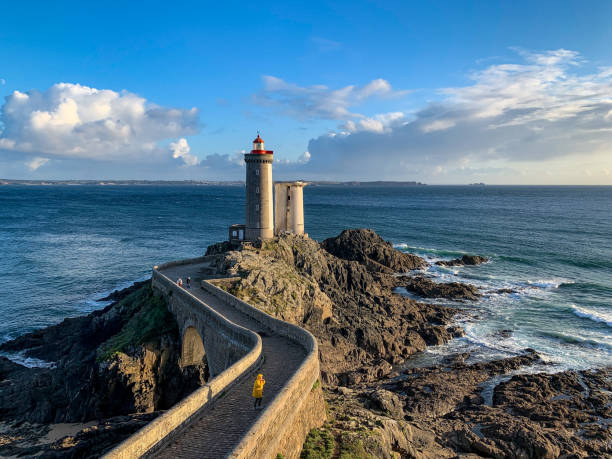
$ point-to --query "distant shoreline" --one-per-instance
(353, 183)
(188, 183)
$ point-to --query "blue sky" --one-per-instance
(441, 92)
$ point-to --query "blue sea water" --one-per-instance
(64, 247)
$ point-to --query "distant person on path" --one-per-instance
(188, 283)
(179, 282)
(258, 390)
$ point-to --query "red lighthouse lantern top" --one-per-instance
(258, 147)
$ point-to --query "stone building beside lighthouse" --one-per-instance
(259, 205)
(289, 207)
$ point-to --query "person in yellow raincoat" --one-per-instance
(258, 390)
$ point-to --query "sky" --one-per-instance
(442, 92)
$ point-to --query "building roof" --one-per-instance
(258, 139)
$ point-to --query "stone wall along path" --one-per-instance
(221, 426)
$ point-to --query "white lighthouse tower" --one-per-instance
(259, 205)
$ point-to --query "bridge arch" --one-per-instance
(192, 347)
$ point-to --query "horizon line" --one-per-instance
(144, 182)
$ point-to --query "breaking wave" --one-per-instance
(549, 283)
(29, 362)
(595, 316)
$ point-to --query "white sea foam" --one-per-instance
(29, 362)
(520, 309)
(549, 283)
(595, 316)
(430, 254)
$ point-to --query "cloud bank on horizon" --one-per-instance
(514, 122)
(528, 118)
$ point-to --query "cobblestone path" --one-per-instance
(222, 424)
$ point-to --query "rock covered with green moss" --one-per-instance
(119, 361)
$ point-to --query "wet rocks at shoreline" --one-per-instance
(442, 411)
(426, 288)
(465, 260)
(342, 291)
(452, 409)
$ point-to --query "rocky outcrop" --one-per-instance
(445, 411)
(536, 416)
(360, 427)
(117, 361)
(369, 249)
(340, 290)
(434, 392)
(90, 441)
(362, 327)
(465, 260)
(342, 294)
(426, 288)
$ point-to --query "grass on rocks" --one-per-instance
(319, 444)
(147, 319)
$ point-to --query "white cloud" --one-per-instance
(74, 121)
(378, 124)
(542, 90)
(544, 108)
(36, 162)
(7, 144)
(437, 125)
(304, 157)
(319, 101)
(181, 149)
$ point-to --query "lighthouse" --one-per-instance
(259, 205)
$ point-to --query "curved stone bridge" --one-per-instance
(237, 340)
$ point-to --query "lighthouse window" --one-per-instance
(256, 206)
(256, 171)
(257, 190)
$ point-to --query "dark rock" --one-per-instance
(456, 359)
(118, 295)
(9, 369)
(503, 291)
(368, 248)
(86, 383)
(90, 442)
(426, 288)
(465, 260)
(507, 333)
(386, 402)
(218, 248)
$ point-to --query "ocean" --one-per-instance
(65, 247)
